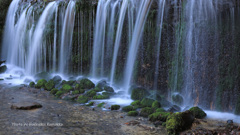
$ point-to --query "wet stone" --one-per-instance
(26, 106)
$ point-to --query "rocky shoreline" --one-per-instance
(63, 117)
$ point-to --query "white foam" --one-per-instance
(222, 116)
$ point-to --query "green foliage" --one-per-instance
(41, 83)
(115, 107)
(82, 99)
(159, 116)
(198, 112)
(147, 102)
(128, 108)
(145, 112)
(132, 113)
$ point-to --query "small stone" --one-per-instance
(121, 116)
(26, 106)
(229, 122)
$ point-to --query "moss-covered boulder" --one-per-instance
(41, 84)
(136, 104)
(108, 89)
(147, 102)
(132, 113)
(67, 88)
(101, 104)
(57, 79)
(97, 89)
(177, 99)
(101, 97)
(115, 107)
(90, 104)
(178, 122)
(32, 84)
(101, 84)
(49, 85)
(197, 112)
(54, 91)
(159, 116)
(139, 93)
(91, 93)
(3, 69)
(145, 112)
(75, 92)
(156, 105)
(86, 84)
(82, 99)
(237, 108)
(128, 108)
(59, 93)
(160, 110)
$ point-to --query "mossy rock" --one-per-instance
(147, 102)
(178, 122)
(90, 104)
(41, 83)
(237, 108)
(139, 93)
(197, 112)
(115, 107)
(82, 99)
(128, 108)
(107, 94)
(108, 89)
(54, 91)
(160, 110)
(145, 112)
(174, 108)
(49, 85)
(132, 113)
(101, 104)
(32, 84)
(42, 75)
(101, 84)
(136, 103)
(64, 82)
(177, 99)
(3, 69)
(57, 79)
(101, 97)
(67, 88)
(159, 116)
(71, 82)
(91, 93)
(1, 79)
(86, 84)
(77, 86)
(97, 89)
(156, 105)
(75, 92)
(59, 93)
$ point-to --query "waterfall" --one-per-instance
(133, 49)
(55, 40)
(33, 64)
(118, 38)
(66, 39)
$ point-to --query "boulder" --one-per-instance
(132, 113)
(101, 84)
(42, 75)
(139, 93)
(41, 84)
(26, 105)
(82, 99)
(128, 108)
(177, 99)
(156, 105)
(49, 85)
(147, 102)
(159, 116)
(54, 91)
(32, 84)
(115, 107)
(57, 79)
(178, 122)
(145, 112)
(67, 88)
(86, 84)
(3, 69)
(197, 112)
(108, 89)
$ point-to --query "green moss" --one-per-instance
(86, 84)
(159, 116)
(77, 87)
(132, 113)
(101, 104)
(147, 102)
(145, 112)
(41, 83)
(91, 93)
(156, 105)
(49, 85)
(31, 84)
(160, 110)
(198, 112)
(75, 92)
(97, 89)
(90, 104)
(136, 103)
(54, 91)
(59, 93)
(115, 107)
(82, 99)
(237, 108)
(101, 97)
(128, 108)
(139, 93)
(67, 87)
